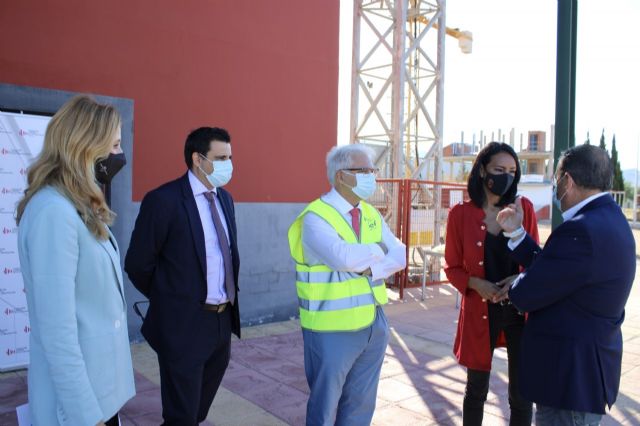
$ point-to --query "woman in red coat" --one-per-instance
(478, 265)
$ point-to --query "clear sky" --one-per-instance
(509, 79)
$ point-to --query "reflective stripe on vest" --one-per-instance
(334, 300)
(337, 304)
(331, 277)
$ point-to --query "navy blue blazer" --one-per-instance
(166, 262)
(575, 291)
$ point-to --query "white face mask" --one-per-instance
(221, 174)
(558, 201)
(365, 185)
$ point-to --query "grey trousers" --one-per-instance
(343, 369)
(547, 416)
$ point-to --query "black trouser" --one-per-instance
(189, 384)
(501, 318)
(113, 421)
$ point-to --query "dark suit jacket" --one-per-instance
(166, 262)
(575, 291)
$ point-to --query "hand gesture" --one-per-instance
(487, 290)
(510, 217)
(504, 285)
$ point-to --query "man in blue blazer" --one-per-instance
(575, 291)
(183, 256)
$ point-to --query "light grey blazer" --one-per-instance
(80, 368)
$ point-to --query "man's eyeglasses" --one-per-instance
(363, 170)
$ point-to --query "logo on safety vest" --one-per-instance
(371, 223)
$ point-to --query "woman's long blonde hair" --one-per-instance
(78, 135)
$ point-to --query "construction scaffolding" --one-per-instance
(397, 94)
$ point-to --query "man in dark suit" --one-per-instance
(183, 256)
(575, 291)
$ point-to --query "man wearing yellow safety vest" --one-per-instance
(343, 251)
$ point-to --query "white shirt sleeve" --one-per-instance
(513, 244)
(323, 245)
(395, 259)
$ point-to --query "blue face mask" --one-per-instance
(365, 185)
(558, 201)
(221, 174)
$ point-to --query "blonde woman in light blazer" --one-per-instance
(80, 370)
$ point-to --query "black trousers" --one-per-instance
(501, 318)
(113, 421)
(189, 384)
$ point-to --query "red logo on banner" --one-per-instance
(11, 190)
(8, 311)
(6, 230)
(10, 352)
(27, 329)
(23, 172)
(8, 271)
(22, 132)
(5, 151)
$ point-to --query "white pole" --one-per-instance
(355, 69)
(437, 169)
(635, 187)
(397, 88)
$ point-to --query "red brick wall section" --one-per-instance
(265, 70)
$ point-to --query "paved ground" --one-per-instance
(421, 383)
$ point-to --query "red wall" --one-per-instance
(265, 70)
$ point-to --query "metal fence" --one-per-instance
(416, 210)
(618, 196)
(388, 199)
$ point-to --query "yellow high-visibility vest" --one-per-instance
(334, 300)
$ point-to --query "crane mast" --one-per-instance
(397, 87)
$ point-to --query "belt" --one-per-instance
(215, 308)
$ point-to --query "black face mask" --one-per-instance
(498, 184)
(106, 169)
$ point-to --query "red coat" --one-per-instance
(464, 257)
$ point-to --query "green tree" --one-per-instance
(603, 145)
(628, 194)
(618, 179)
(588, 141)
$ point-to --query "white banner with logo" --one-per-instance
(21, 140)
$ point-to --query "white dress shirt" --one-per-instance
(216, 292)
(570, 213)
(567, 215)
(323, 245)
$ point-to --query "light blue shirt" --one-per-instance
(216, 290)
(570, 213)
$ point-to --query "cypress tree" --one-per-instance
(618, 178)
